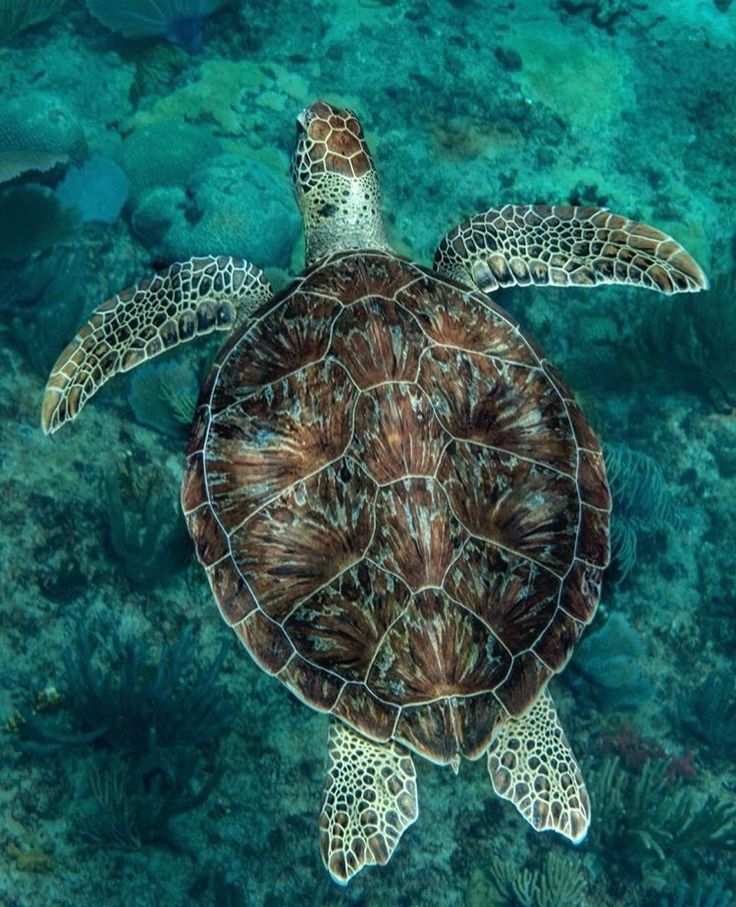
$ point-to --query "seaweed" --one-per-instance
(18, 15)
(558, 882)
(652, 818)
(150, 724)
(147, 536)
(132, 701)
(642, 502)
(134, 802)
(709, 895)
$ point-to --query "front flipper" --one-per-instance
(187, 300)
(518, 245)
(370, 799)
(531, 764)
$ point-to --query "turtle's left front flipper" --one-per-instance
(518, 245)
(187, 300)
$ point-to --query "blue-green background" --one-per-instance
(121, 153)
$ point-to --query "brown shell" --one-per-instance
(402, 512)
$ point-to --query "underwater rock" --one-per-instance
(610, 660)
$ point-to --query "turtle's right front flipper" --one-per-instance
(187, 300)
(519, 245)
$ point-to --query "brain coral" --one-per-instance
(37, 132)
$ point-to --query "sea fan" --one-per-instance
(179, 21)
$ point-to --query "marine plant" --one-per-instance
(134, 801)
(18, 15)
(642, 502)
(121, 696)
(652, 818)
(145, 531)
(558, 882)
(149, 722)
(163, 395)
(710, 894)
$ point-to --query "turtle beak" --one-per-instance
(301, 123)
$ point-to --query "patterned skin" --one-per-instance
(401, 510)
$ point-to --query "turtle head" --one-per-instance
(335, 183)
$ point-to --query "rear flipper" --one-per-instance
(518, 245)
(370, 799)
(531, 764)
(187, 300)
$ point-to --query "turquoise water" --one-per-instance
(145, 759)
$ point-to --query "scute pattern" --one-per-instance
(403, 513)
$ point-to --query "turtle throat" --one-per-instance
(341, 213)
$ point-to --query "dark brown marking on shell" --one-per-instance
(397, 433)
(430, 730)
(265, 641)
(193, 489)
(514, 596)
(525, 681)
(457, 318)
(262, 354)
(593, 545)
(340, 626)
(557, 380)
(199, 431)
(524, 507)
(478, 718)
(436, 649)
(582, 432)
(416, 536)
(558, 640)
(378, 341)
(359, 708)
(315, 686)
(233, 597)
(301, 541)
(258, 448)
(592, 480)
(581, 590)
(507, 406)
(350, 277)
(210, 541)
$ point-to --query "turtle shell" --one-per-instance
(402, 512)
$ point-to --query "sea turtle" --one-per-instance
(401, 510)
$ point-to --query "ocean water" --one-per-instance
(145, 759)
